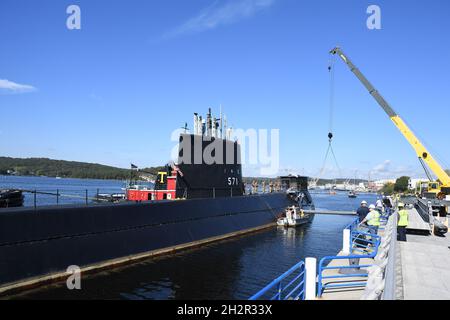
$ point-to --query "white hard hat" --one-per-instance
(364, 202)
(372, 206)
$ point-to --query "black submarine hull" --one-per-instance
(37, 244)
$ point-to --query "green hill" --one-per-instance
(61, 168)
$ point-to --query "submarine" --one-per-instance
(193, 202)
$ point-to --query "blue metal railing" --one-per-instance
(365, 244)
(288, 286)
(360, 242)
(354, 225)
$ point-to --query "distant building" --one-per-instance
(379, 184)
(413, 183)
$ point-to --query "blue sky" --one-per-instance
(114, 91)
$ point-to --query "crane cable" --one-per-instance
(332, 87)
(332, 107)
(330, 124)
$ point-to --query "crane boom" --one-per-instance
(420, 149)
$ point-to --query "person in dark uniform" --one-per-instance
(387, 206)
(362, 211)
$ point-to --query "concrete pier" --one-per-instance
(424, 263)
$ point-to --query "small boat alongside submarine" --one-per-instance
(294, 217)
(192, 203)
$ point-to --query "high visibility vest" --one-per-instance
(403, 221)
(375, 219)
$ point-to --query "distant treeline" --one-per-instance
(65, 169)
(83, 170)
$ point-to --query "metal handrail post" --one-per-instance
(310, 275)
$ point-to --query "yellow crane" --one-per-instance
(437, 189)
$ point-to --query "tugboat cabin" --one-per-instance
(165, 188)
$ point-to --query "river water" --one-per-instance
(71, 191)
(231, 269)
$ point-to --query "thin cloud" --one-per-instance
(220, 13)
(382, 167)
(386, 170)
(96, 97)
(7, 86)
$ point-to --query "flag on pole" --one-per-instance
(133, 166)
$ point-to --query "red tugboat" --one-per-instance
(165, 188)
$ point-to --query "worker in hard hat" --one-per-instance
(379, 208)
(362, 211)
(373, 220)
(379, 203)
(402, 222)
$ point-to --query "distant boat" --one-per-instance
(352, 194)
(106, 197)
(58, 178)
(11, 198)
